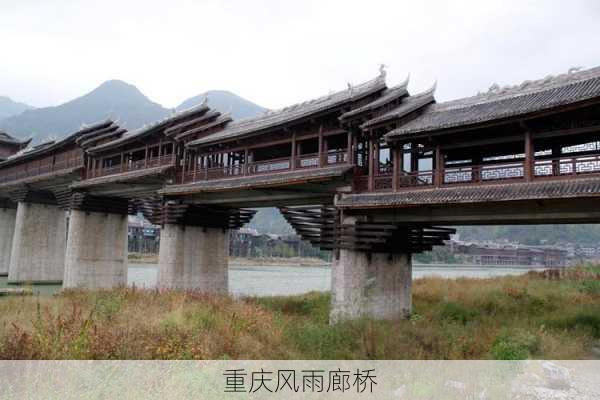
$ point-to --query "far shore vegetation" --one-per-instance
(549, 315)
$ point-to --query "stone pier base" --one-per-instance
(96, 250)
(8, 217)
(194, 258)
(39, 242)
(376, 286)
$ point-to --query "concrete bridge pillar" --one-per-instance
(375, 285)
(39, 243)
(194, 258)
(8, 217)
(96, 256)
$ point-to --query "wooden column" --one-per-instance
(414, 157)
(439, 167)
(184, 164)
(122, 161)
(397, 167)
(146, 157)
(349, 149)
(293, 158)
(371, 165)
(195, 166)
(528, 169)
(246, 159)
(321, 145)
(556, 153)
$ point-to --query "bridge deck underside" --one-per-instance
(127, 185)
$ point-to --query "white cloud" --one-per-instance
(276, 53)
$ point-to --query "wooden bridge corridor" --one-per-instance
(372, 173)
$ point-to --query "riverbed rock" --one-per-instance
(557, 377)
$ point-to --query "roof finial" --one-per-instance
(382, 71)
(204, 101)
(350, 89)
(495, 88)
(572, 70)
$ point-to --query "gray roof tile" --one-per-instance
(387, 96)
(500, 103)
(272, 119)
(563, 188)
(408, 105)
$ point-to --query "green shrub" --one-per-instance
(588, 320)
(590, 287)
(457, 313)
(516, 346)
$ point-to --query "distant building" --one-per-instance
(486, 253)
(10, 145)
(143, 236)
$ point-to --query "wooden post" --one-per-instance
(184, 164)
(122, 161)
(293, 158)
(371, 165)
(396, 167)
(246, 159)
(439, 166)
(195, 166)
(528, 169)
(349, 148)
(556, 153)
(146, 157)
(321, 145)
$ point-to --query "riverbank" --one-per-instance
(246, 261)
(535, 315)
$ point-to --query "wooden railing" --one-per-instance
(132, 166)
(500, 171)
(31, 171)
(276, 165)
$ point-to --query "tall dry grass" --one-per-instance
(533, 316)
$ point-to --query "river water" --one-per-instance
(288, 280)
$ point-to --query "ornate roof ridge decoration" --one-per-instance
(199, 109)
(273, 118)
(408, 105)
(526, 98)
(387, 96)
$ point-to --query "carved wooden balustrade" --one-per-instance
(151, 162)
(566, 166)
(264, 167)
(33, 169)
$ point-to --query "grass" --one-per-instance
(532, 316)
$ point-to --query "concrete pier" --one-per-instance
(8, 217)
(374, 286)
(39, 243)
(194, 258)
(96, 256)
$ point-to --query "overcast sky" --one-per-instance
(277, 53)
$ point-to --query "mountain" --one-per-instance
(113, 99)
(225, 101)
(8, 108)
